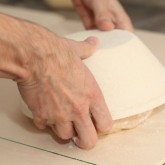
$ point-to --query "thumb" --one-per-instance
(86, 48)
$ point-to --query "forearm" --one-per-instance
(21, 44)
(10, 63)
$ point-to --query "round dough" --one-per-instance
(133, 121)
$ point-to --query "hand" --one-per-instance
(103, 14)
(53, 81)
(61, 90)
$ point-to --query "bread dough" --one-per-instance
(133, 121)
(130, 122)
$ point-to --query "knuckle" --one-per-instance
(39, 122)
(95, 94)
(103, 16)
(79, 109)
(59, 117)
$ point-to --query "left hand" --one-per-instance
(103, 14)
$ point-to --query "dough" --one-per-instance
(133, 121)
(130, 122)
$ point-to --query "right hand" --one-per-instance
(61, 90)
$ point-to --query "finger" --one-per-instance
(101, 115)
(121, 19)
(89, 45)
(86, 48)
(125, 26)
(103, 18)
(124, 23)
(104, 21)
(39, 120)
(85, 14)
(100, 112)
(86, 133)
(63, 130)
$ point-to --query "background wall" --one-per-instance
(160, 3)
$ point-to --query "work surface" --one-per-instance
(23, 144)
